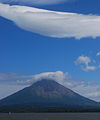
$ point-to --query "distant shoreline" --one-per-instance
(50, 116)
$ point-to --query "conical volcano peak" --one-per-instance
(52, 88)
(46, 82)
(47, 85)
(46, 94)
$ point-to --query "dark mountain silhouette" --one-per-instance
(47, 95)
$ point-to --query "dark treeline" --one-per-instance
(27, 109)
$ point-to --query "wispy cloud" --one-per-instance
(89, 68)
(51, 23)
(11, 76)
(36, 2)
(98, 54)
(85, 63)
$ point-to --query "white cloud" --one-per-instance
(89, 68)
(98, 54)
(36, 2)
(58, 76)
(84, 62)
(52, 23)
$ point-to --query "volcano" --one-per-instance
(47, 95)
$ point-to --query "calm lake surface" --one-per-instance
(50, 116)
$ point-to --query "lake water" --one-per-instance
(50, 116)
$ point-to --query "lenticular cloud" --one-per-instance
(35, 2)
(52, 23)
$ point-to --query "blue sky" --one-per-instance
(26, 53)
